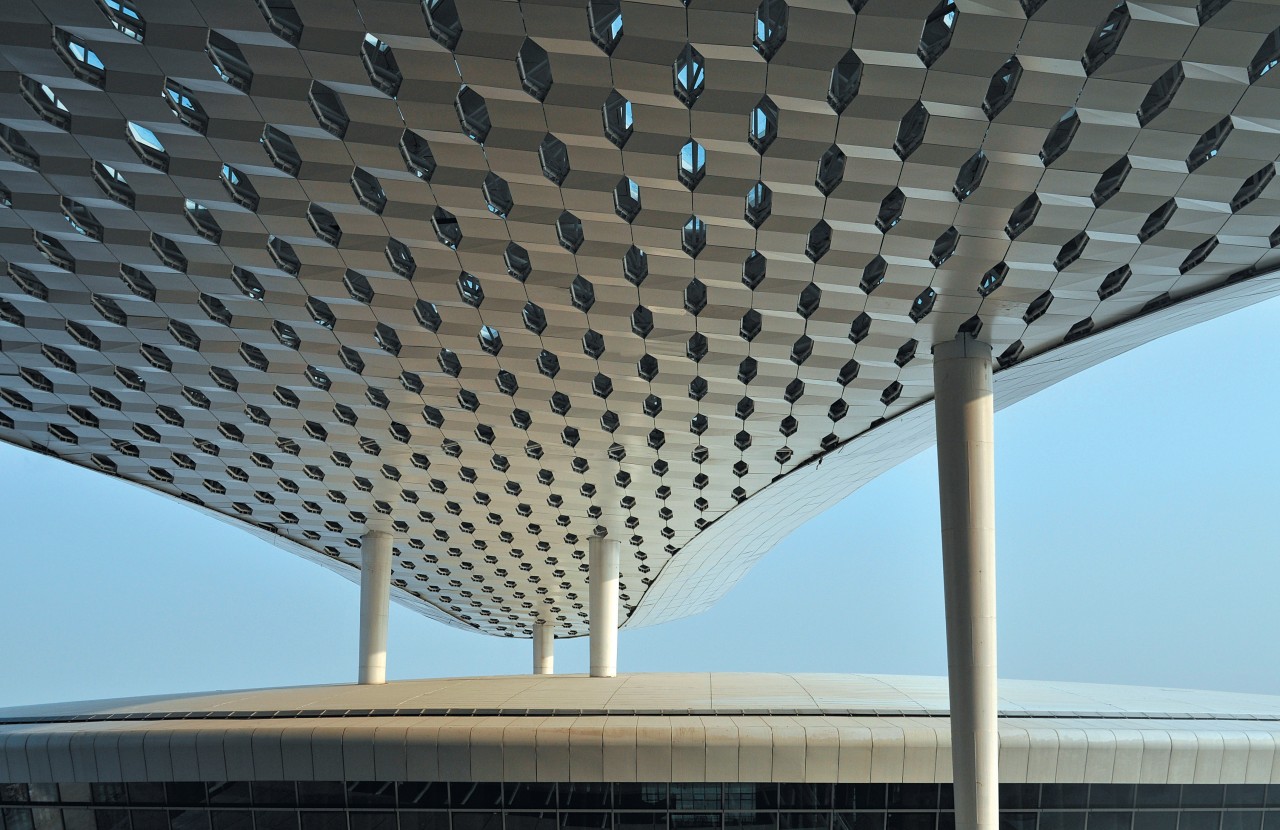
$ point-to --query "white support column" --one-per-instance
(375, 602)
(544, 648)
(964, 415)
(604, 555)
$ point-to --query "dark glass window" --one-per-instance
(860, 796)
(534, 68)
(805, 796)
(1063, 796)
(1193, 820)
(370, 793)
(531, 821)
(370, 820)
(228, 61)
(688, 797)
(804, 821)
(750, 821)
(970, 176)
(321, 793)
(695, 821)
(233, 792)
(553, 157)
(1106, 39)
(585, 795)
(226, 820)
(619, 121)
(475, 821)
(751, 796)
(639, 821)
(846, 77)
(1060, 137)
(604, 17)
(913, 797)
(107, 794)
(473, 114)
(640, 796)
(443, 23)
(327, 107)
(424, 820)
(905, 821)
(539, 796)
(937, 32)
(911, 130)
(1242, 820)
(473, 796)
(1110, 796)
(1002, 88)
(1155, 820)
(1268, 55)
(275, 820)
(1157, 795)
(689, 75)
(590, 821)
(1160, 96)
(323, 821)
(1110, 820)
(83, 62)
(149, 819)
(380, 62)
(858, 821)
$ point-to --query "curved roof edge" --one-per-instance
(346, 570)
(809, 728)
(717, 558)
(651, 693)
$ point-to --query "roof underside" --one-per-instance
(499, 274)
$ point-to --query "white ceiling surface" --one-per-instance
(494, 466)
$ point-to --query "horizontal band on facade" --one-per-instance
(298, 714)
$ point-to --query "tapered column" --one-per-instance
(966, 484)
(375, 602)
(603, 563)
(544, 648)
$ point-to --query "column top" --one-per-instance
(964, 345)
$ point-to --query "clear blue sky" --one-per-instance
(1137, 545)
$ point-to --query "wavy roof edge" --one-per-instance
(720, 555)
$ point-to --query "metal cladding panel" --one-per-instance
(769, 747)
(676, 727)
(498, 276)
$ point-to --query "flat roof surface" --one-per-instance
(660, 694)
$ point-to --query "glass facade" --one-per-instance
(383, 805)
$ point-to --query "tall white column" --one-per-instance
(544, 648)
(964, 414)
(375, 602)
(604, 560)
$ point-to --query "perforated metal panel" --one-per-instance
(503, 275)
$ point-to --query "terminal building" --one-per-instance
(639, 752)
(546, 319)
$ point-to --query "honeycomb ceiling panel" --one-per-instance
(498, 276)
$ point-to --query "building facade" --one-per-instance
(641, 752)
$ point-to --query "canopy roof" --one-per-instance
(498, 276)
